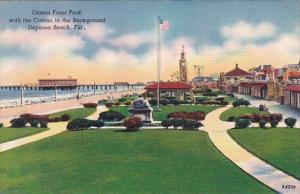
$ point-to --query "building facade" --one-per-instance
(183, 68)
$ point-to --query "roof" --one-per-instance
(294, 74)
(169, 86)
(238, 72)
(294, 88)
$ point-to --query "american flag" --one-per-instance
(163, 24)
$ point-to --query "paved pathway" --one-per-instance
(262, 171)
(54, 128)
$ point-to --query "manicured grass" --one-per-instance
(76, 113)
(165, 110)
(237, 111)
(8, 134)
(104, 161)
(278, 146)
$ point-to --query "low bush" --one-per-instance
(262, 107)
(166, 123)
(98, 123)
(211, 94)
(241, 102)
(90, 105)
(79, 124)
(117, 104)
(54, 119)
(262, 123)
(187, 115)
(188, 124)
(231, 118)
(220, 99)
(34, 123)
(290, 122)
(122, 100)
(108, 104)
(65, 117)
(44, 124)
(274, 123)
(111, 116)
(133, 123)
(128, 103)
(30, 117)
(231, 95)
(256, 118)
(242, 123)
(1, 125)
(18, 122)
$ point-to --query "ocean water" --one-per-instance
(13, 97)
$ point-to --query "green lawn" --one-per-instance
(165, 110)
(8, 134)
(237, 111)
(279, 146)
(105, 161)
(75, 113)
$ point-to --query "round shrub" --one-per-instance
(108, 104)
(128, 103)
(117, 103)
(274, 123)
(176, 123)
(34, 123)
(262, 123)
(44, 124)
(18, 122)
(90, 105)
(79, 124)
(242, 123)
(133, 123)
(111, 116)
(65, 117)
(188, 124)
(166, 123)
(240, 102)
(290, 122)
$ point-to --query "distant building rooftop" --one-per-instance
(238, 72)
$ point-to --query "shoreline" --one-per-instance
(43, 108)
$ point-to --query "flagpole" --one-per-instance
(158, 60)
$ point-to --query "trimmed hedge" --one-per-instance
(256, 118)
(187, 115)
(18, 122)
(133, 123)
(90, 105)
(111, 115)
(185, 124)
(83, 124)
(241, 102)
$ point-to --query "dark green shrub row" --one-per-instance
(111, 115)
(241, 102)
(186, 124)
(21, 122)
(90, 105)
(83, 124)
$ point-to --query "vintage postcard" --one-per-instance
(157, 97)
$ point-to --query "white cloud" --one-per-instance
(246, 31)
(133, 40)
(96, 32)
(109, 57)
(41, 42)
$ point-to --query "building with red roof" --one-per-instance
(230, 81)
(292, 95)
(177, 90)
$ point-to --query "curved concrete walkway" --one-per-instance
(260, 170)
(54, 128)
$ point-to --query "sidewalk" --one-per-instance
(260, 170)
(54, 128)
